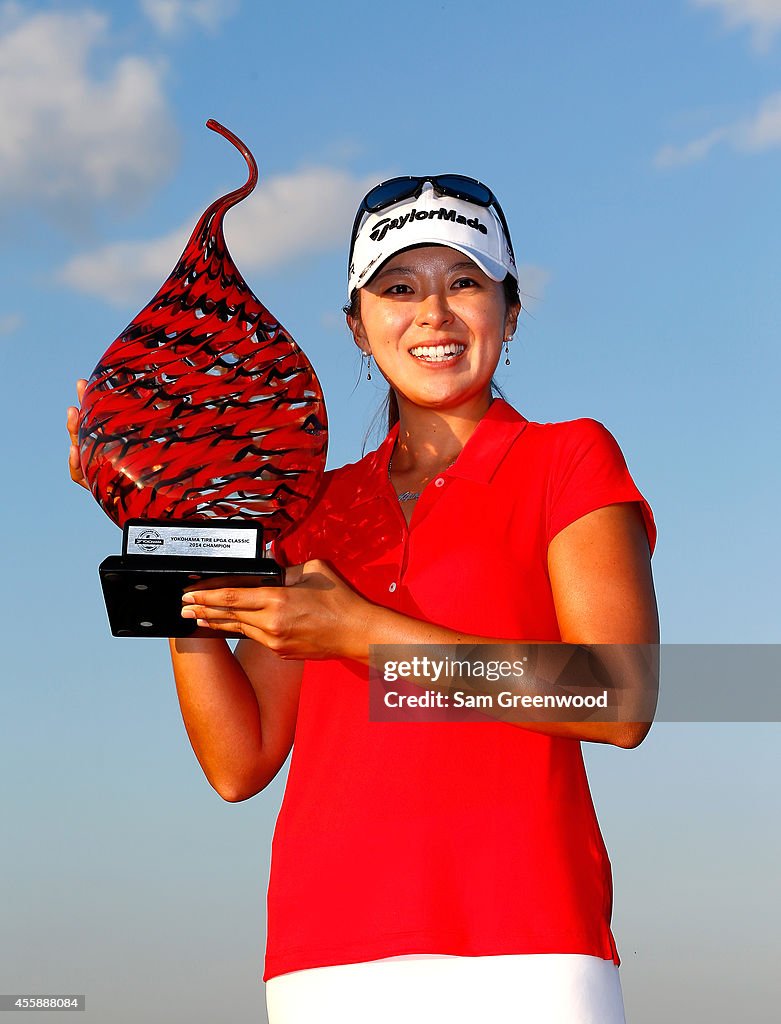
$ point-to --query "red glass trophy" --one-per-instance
(202, 433)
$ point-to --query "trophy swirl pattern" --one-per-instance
(204, 407)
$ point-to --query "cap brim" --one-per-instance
(495, 270)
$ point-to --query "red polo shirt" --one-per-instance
(465, 838)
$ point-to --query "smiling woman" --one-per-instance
(394, 887)
(438, 323)
(421, 218)
(395, 890)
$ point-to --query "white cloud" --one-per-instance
(763, 17)
(763, 130)
(753, 134)
(70, 137)
(124, 272)
(288, 216)
(171, 16)
(10, 322)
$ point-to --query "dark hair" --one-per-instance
(390, 403)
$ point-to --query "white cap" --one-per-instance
(429, 219)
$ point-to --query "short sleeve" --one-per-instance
(589, 472)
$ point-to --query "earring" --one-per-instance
(369, 366)
(507, 350)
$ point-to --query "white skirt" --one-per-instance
(545, 988)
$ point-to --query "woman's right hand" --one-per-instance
(74, 462)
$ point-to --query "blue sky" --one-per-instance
(636, 149)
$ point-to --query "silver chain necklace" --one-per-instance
(414, 495)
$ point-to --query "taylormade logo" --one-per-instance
(387, 224)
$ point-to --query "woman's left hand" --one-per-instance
(315, 615)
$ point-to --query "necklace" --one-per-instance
(414, 495)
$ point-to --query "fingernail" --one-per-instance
(188, 613)
(188, 598)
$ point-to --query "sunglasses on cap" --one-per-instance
(459, 186)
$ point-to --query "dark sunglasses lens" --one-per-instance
(389, 192)
(465, 188)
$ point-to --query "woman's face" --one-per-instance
(435, 325)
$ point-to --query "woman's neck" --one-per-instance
(429, 438)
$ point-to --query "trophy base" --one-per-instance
(146, 600)
(160, 558)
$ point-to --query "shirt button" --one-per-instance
(438, 482)
(392, 587)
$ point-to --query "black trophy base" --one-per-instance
(146, 600)
(161, 558)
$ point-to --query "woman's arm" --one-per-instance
(600, 574)
(603, 591)
(239, 711)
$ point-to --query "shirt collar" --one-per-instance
(490, 442)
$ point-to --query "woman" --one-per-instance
(448, 867)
